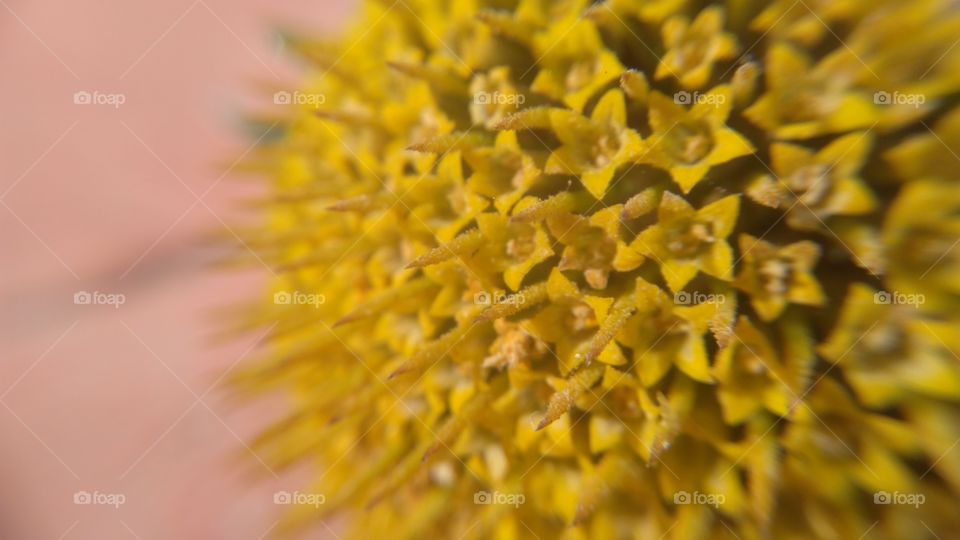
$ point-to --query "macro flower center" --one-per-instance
(809, 183)
(775, 275)
(692, 53)
(427, 128)
(930, 248)
(688, 238)
(605, 148)
(886, 341)
(513, 346)
(689, 143)
(580, 317)
(752, 364)
(808, 101)
(580, 74)
(592, 253)
(521, 246)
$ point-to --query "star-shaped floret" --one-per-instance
(570, 321)
(685, 240)
(662, 334)
(575, 64)
(805, 22)
(688, 142)
(805, 101)
(812, 186)
(774, 276)
(751, 376)
(493, 96)
(594, 148)
(590, 244)
(888, 349)
(693, 48)
(517, 247)
(920, 235)
(503, 172)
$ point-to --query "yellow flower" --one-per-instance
(813, 186)
(504, 172)
(575, 62)
(597, 157)
(888, 349)
(805, 23)
(927, 155)
(921, 234)
(685, 240)
(521, 246)
(751, 376)
(693, 48)
(570, 321)
(534, 324)
(805, 100)
(494, 97)
(687, 143)
(851, 449)
(591, 244)
(777, 275)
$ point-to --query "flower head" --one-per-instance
(537, 324)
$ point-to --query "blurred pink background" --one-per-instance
(123, 400)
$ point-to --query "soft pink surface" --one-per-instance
(94, 198)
